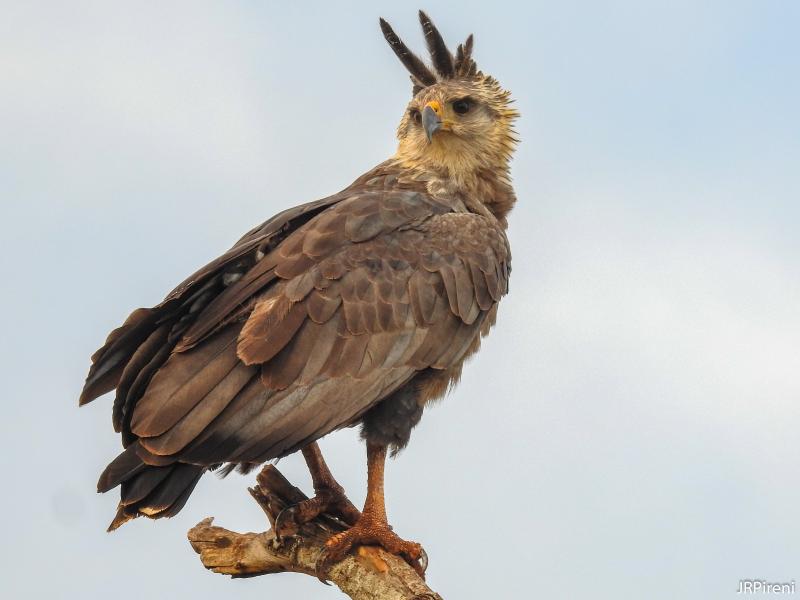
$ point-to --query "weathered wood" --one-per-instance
(370, 574)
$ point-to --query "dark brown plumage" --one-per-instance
(345, 309)
(357, 308)
(440, 55)
(415, 66)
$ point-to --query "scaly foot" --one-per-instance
(370, 531)
(330, 500)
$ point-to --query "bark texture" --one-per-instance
(370, 574)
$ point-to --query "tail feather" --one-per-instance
(183, 477)
(126, 466)
(179, 502)
(152, 491)
(138, 488)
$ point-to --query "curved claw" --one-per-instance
(420, 564)
(285, 523)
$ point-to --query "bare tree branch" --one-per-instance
(371, 574)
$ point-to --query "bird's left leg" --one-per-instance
(329, 497)
(372, 528)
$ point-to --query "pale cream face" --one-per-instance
(475, 128)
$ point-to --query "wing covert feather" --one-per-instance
(344, 310)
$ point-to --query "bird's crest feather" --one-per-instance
(445, 65)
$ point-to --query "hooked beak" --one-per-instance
(431, 119)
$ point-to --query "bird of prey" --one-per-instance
(356, 309)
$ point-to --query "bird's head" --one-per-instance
(459, 119)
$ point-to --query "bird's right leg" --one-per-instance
(329, 497)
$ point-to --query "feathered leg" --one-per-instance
(329, 497)
(372, 527)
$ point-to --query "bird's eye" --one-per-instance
(462, 107)
(415, 114)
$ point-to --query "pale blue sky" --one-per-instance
(636, 411)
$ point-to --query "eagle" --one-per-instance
(358, 309)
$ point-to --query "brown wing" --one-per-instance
(136, 350)
(361, 298)
(306, 323)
